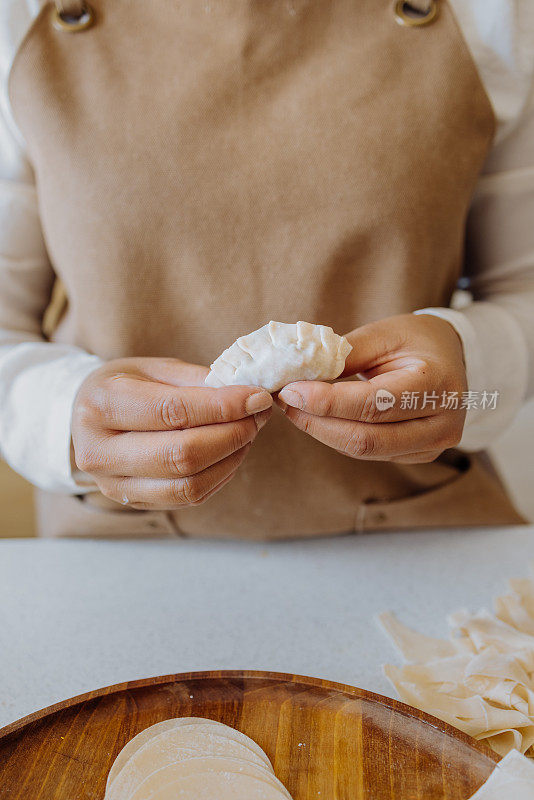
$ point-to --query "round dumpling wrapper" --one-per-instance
(178, 744)
(219, 786)
(145, 735)
(172, 772)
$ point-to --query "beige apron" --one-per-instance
(205, 166)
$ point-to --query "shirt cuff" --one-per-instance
(496, 361)
(38, 386)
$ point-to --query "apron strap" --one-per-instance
(75, 9)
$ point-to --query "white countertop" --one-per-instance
(78, 615)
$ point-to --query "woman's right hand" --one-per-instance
(153, 436)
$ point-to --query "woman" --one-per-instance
(203, 167)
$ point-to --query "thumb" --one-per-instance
(375, 344)
(174, 372)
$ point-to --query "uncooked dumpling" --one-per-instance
(280, 353)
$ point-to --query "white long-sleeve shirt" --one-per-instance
(39, 380)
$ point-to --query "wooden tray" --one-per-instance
(326, 741)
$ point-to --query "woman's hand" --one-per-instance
(399, 355)
(153, 436)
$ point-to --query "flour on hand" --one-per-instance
(280, 353)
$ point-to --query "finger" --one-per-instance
(372, 345)
(218, 487)
(165, 370)
(166, 494)
(377, 442)
(171, 454)
(390, 397)
(128, 404)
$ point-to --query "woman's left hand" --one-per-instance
(415, 370)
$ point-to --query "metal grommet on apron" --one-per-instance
(72, 16)
(415, 13)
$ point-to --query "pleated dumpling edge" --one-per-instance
(279, 353)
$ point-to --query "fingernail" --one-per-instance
(262, 418)
(260, 401)
(292, 398)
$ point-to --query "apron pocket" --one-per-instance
(92, 516)
(474, 496)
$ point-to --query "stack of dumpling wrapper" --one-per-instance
(191, 758)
